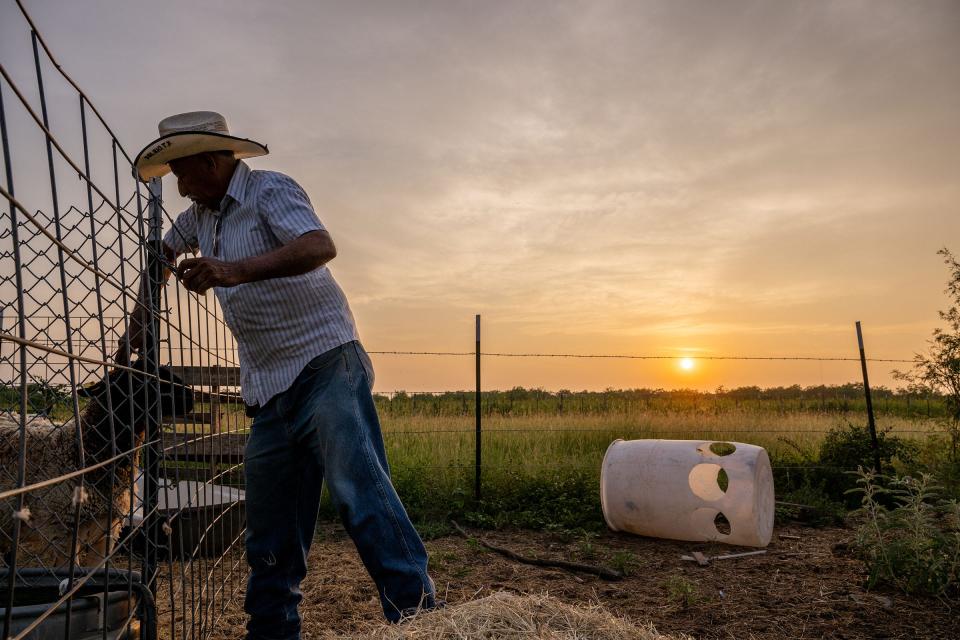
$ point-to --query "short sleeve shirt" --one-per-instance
(283, 323)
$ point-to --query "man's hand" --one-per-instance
(199, 274)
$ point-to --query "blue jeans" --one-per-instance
(325, 427)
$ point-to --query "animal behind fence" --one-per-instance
(105, 444)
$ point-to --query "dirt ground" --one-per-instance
(801, 588)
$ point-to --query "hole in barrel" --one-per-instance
(722, 448)
(722, 480)
(722, 524)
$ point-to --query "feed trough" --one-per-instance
(108, 606)
(205, 519)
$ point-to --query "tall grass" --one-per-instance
(432, 457)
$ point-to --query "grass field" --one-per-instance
(542, 451)
(540, 469)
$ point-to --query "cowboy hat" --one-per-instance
(188, 134)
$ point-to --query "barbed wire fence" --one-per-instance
(542, 416)
(121, 488)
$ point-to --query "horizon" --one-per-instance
(849, 386)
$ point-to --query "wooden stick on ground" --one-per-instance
(728, 556)
(602, 572)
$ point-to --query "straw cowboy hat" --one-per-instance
(187, 134)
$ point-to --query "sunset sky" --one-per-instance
(656, 178)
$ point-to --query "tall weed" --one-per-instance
(913, 545)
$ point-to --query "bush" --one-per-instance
(938, 372)
(817, 510)
(913, 546)
(849, 447)
(564, 501)
(935, 456)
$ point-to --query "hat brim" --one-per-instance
(153, 161)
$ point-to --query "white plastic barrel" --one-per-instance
(673, 489)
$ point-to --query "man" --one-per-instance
(304, 376)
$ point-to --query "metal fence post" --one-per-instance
(151, 352)
(24, 400)
(866, 389)
(479, 431)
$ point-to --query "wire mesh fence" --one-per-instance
(121, 483)
(112, 489)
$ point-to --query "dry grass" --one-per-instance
(445, 444)
(506, 615)
(806, 585)
(659, 422)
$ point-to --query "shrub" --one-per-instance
(935, 457)
(913, 546)
(817, 509)
(938, 370)
(564, 501)
(849, 447)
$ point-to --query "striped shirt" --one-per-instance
(283, 323)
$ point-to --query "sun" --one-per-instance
(687, 364)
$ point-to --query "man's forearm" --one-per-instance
(308, 252)
(302, 255)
